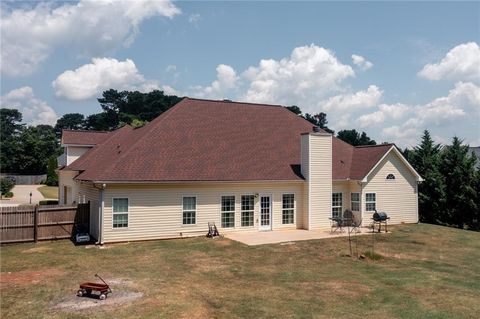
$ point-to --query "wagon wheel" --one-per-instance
(103, 296)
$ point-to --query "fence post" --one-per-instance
(35, 224)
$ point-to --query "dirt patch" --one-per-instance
(73, 303)
(27, 277)
(40, 249)
(204, 263)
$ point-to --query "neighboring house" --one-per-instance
(246, 167)
(476, 151)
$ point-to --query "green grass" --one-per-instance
(422, 271)
(50, 192)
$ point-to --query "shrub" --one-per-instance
(6, 186)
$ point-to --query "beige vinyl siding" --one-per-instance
(65, 178)
(319, 179)
(398, 197)
(155, 211)
(74, 152)
(88, 193)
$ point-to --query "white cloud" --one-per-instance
(89, 27)
(461, 103)
(308, 75)
(90, 80)
(226, 81)
(360, 61)
(171, 68)
(350, 101)
(461, 63)
(385, 111)
(34, 111)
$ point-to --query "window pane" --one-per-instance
(336, 211)
(120, 220)
(228, 203)
(120, 205)
(356, 197)
(189, 217)
(189, 203)
(370, 197)
(247, 218)
(248, 204)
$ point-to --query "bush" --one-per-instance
(9, 195)
(52, 177)
(6, 186)
(48, 202)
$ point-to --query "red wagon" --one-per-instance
(86, 289)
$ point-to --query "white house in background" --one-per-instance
(243, 166)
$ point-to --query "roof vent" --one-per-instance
(316, 129)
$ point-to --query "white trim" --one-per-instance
(359, 202)
(299, 181)
(78, 145)
(294, 209)
(270, 226)
(128, 213)
(240, 208)
(376, 202)
(418, 177)
(196, 215)
(234, 210)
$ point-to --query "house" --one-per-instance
(246, 167)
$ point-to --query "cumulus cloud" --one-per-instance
(360, 62)
(350, 101)
(385, 111)
(34, 110)
(462, 62)
(89, 27)
(226, 81)
(194, 18)
(310, 73)
(91, 79)
(462, 102)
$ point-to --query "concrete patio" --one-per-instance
(253, 238)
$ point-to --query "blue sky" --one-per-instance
(416, 65)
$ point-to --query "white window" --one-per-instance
(120, 212)
(288, 208)
(228, 211)
(370, 202)
(248, 204)
(390, 176)
(355, 202)
(189, 210)
(337, 205)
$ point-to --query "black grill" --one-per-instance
(380, 216)
(378, 219)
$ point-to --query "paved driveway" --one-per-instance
(21, 195)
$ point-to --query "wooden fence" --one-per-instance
(33, 223)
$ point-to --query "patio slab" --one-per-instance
(253, 238)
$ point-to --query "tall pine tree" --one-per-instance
(457, 166)
(425, 159)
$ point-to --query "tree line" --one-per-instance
(448, 196)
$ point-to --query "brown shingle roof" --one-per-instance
(80, 137)
(204, 140)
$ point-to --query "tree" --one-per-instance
(354, 138)
(458, 169)
(425, 158)
(474, 222)
(295, 109)
(6, 186)
(10, 128)
(320, 120)
(70, 121)
(37, 145)
(52, 177)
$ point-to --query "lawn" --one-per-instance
(425, 272)
(50, 192)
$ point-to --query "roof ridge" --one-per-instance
(378, 145)
(86, 131)
(235, 102)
